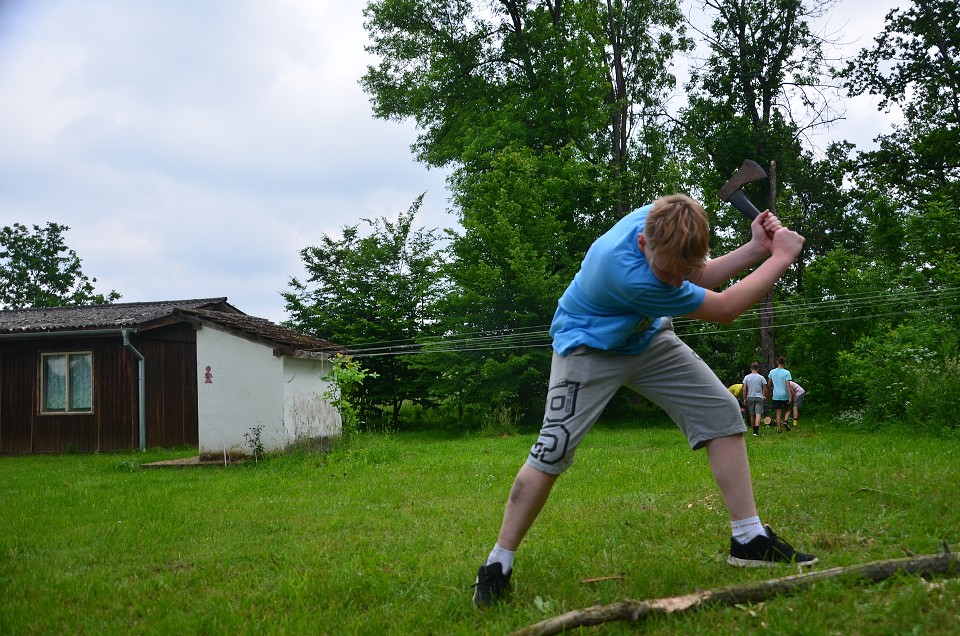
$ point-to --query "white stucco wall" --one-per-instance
(306, 413)
(242, 385)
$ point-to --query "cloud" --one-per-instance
(195, 147)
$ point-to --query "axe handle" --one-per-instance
(740, 201)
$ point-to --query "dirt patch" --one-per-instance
(186, 462)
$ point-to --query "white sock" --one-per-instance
(501, 556)
(745, 530)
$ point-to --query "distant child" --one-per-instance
(798, 393)
(753, 388)
(737, 390)
(782, 392)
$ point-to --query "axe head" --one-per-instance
(749, 171)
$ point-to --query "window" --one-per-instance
(67, 383)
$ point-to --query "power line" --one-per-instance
(538, 336)
(826, 320)
(851, 301)
(796, 314)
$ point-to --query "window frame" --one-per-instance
(67, 409)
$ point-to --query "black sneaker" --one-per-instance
(492, 585)
(766, 551)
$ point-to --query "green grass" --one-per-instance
(386, 538)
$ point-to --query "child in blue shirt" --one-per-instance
(782, 391)
(613, 328)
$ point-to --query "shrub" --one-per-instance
(883, 371)
(934, 409)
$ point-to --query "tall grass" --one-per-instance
(386, 536)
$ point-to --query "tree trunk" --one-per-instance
(768, 347)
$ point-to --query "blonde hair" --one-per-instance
(677, 233)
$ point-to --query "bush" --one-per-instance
(882, 372)
(934, 409)
(500, 420)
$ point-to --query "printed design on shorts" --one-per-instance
(554, 438)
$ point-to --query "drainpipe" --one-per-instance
(142, 393)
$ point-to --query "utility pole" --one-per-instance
(768, 349)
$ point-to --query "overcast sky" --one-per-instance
(194, 147)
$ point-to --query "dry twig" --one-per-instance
(598, 579)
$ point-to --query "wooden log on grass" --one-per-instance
(635, 611)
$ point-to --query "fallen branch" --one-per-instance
(635, 611)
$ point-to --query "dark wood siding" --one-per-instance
(171, 372)
(116, 393)
(17, 396)
(171, 394)
(24, 429)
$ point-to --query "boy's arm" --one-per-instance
(725, 306)
(768, 236)
(723, 268)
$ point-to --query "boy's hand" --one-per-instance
(765, 226)
(786, 243)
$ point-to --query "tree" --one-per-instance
(761, 86)
(908, 190)
(37, 269)
(510, 265)
(915, 66)
(880, 321)
(759, 89)
(375, 295)
(552, 116)
(478, 77)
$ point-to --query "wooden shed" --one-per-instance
(161, 374)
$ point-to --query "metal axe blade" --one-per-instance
(732, 190)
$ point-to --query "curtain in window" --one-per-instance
(54, 383)
(81, 382)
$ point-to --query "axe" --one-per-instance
(732, 190)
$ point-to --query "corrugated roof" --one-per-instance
(259, 329)
(113, 316)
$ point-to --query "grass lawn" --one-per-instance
(386, 538)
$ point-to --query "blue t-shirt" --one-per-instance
(779, 377)
(615, 302)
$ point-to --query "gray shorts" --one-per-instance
(668, 373)
(755, 405)
(798, 400)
